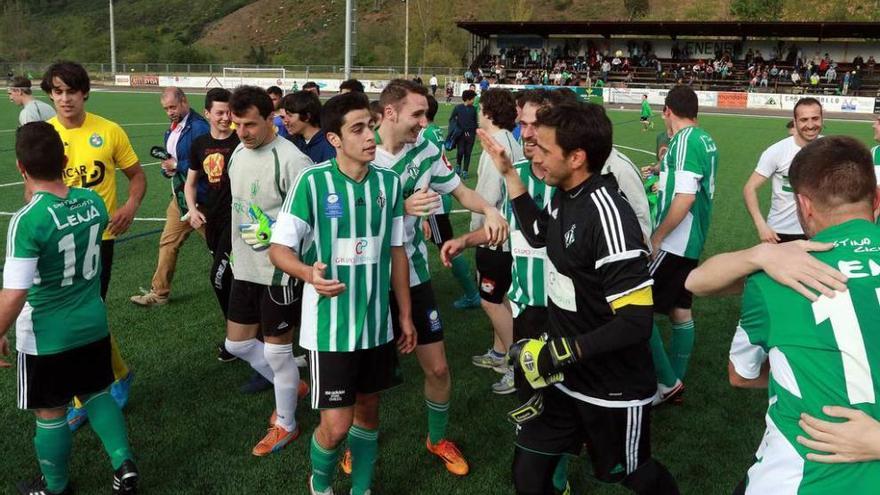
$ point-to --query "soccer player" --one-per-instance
(402, 147)
(302, 118)
(350, 85)
(594, 370)
(782, 222)
(51, 285)
(819, 350)
(32, 109)
(95, 148)
(875, 154)
(685, 191)
(186, 125)
(262, 171)
(209, 160)
(497, 118)
(341, 232)
(439, 228)
(277, 94)
(645, 116)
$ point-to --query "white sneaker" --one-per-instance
(665, 394)
(301, 361)
(491, 360)
(312, 491)
(505, 385)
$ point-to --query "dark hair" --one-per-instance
(71, 73)
(468, 94)
(789, 124)
(304, 103)
(500, 107)
(334, 111)
(376, 108)
(682, 101)
(39, 149)
(275, 90)
(245, 97)
(537, 97)
(216, 94)
(433, 106)
(22, 84)
(312, 84)
(583, 126)
(397, 89)
(834, 171)
(352, 85)
(809, 100)
(562, 95)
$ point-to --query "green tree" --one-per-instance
(636, 9)
(756, 10)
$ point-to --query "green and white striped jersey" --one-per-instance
(875, 153)
(821, 353)
(421, 167)
(350, 226)
(53, 249)
(434, 134)
(689, 167)
(529, 268)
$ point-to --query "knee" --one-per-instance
(334, 434)
(438, 372)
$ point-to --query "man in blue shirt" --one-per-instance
(464, 119)
(302, 118)
(276, 94)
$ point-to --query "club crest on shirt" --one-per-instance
(569, 236)
(96, 140)
(381, 200)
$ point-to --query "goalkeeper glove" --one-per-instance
(541, 359)
(257, 235)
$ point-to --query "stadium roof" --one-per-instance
(674, 29)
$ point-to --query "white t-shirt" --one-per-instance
(174, 137)
(773, 164)
(432, 81)
(490, 183)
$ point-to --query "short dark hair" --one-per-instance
(562, 95)
(304, 103)
(433, 106)
(22, 84)
(682, 101)
(312, 84)
(39, 149)
(336, 108)
(834, 171)
(468, 94)
(245, 97)
(538, 96)
(216, 94)
(397, 89)
(789, 124)
(583, 126)
(71, 73)
(352, 85)
(809, 100)
(500, 107)
(376, 107)
(275, 90)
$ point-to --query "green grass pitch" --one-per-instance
(192, 430)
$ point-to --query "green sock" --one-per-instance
(109, 425)
(438, 418)
(52, 442)
(560, 474)
(461, 269)
(681, 346)
(323, 465)
(364, 445)
(665, 373)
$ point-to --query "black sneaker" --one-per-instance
(256, 384)
(223, 355)
(38, 487)
(125, 479)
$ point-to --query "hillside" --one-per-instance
(302, 32)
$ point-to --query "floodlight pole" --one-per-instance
(112, 42)
(348, 8)
(406, 43)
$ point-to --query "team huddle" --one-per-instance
(318, 217)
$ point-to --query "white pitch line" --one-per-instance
(634, 149)
(20, 183)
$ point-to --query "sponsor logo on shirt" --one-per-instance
(96, 140)
(357, 251)
(332, 206)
